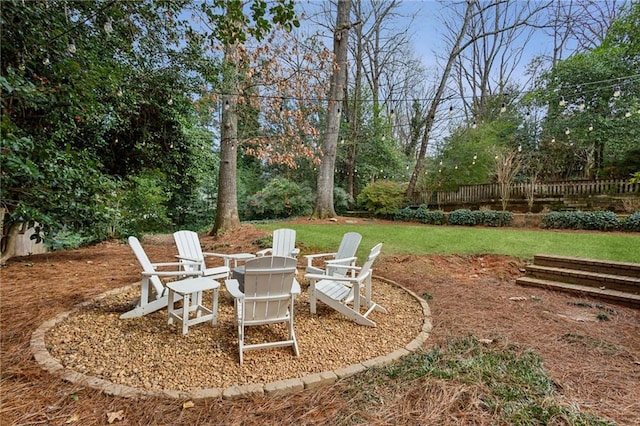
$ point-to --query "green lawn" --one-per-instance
(424, 239)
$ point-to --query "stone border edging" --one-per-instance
(280, 387)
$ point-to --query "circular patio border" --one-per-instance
(44, 358)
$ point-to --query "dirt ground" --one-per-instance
(594, 362)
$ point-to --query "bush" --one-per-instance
(142, 206)
(465, 217)
(383, 198)
(281, 198)
(599, 221)
(496, 218)
(341, 200)
(632, 222)
(407, 214)
(424, 215)
(65, 240)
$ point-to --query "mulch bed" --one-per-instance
(595, 363)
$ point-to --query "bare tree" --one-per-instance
(324, 201)
(484, 70)
(508, 164)
(461, 39)
(578, 25)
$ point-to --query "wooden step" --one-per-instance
(585, 278)
(615, 296)
(593, 265)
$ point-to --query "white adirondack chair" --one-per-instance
(346, 256)
(343, 293)
(190, 253)
(269, 291)
(153, 292)
(284, 244)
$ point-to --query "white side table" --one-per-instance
(191, 291)
(236, 257)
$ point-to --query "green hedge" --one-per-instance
(598, 221)
(632, 222)
(422, 214)
(467, 217)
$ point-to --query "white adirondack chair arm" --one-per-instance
(295, 288)
(190, 259)
(233, 287)
(343, 267)
(264, 252)
(158, 265)
(310, 257)
(340, 262)
(319, 277)
(171, 273)
(211, 254)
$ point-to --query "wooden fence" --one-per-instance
(490, 193)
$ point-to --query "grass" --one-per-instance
(508, 383)
(423, 239)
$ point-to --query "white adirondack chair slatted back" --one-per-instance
(284, 242)
(188, 245)
(346, 250)
(267, 289)
(146, 265)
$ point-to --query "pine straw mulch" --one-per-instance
(595, 363)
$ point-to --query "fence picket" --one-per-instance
(491, 192)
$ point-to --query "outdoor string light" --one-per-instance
(108, 28)
(582, 105)
(617, 93)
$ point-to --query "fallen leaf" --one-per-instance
(485, 341)
(73, 419)
(518, 298)
(115, 415)
(188, 404)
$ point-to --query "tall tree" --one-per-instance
(324, 202)
(229, 23)
(460, 39)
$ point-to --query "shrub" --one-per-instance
(383, 198)
(600, 221)
(142, 207)
(341, 200)
(496, 218)
(407, 214)
(465, 217)
(632, 222)
(424, 215)
(281, 198)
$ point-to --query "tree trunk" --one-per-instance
(9, 244)
(227, 217)
(324, 202)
